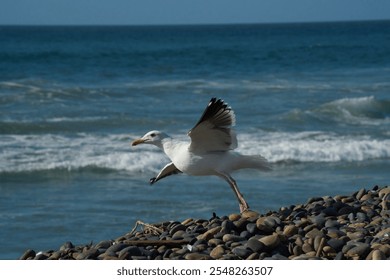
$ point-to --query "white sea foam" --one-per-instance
(47, 152)
(314, 147)
(20, 153)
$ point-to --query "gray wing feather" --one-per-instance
(213, 131)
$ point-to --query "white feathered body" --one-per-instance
(208, 163)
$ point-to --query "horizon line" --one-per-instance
(184, 24)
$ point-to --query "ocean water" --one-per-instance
(313, 98)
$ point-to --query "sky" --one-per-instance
(154, 12)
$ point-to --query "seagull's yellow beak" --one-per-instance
(137, 142)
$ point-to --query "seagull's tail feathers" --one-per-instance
(254, 162)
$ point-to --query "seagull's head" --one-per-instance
(153, 137)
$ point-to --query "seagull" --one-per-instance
(210, 151)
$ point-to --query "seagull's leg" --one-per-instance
(243, 204)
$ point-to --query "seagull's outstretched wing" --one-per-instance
(168, 170)
(213, 131)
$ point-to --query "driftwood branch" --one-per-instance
(168, 243)
(147, 228)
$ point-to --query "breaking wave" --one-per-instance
(30, 153)
(315, 147)
(353, 111)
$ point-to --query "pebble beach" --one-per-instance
(342, 227)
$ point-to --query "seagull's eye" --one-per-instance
(153, 134)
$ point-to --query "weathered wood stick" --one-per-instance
(168, 243)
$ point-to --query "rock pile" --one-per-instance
(341, 227)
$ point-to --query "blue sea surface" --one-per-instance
(312, 98)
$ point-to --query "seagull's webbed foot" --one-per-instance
(152, 180)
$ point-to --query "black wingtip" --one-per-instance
(215, 105)
(213, 99)
(217, 101)
(152, 180)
